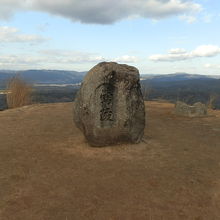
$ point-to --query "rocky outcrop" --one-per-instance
(196, 110)
(109, 107)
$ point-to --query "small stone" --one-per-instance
(196, 110)
(109, 107)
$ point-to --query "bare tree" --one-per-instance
(19, 92)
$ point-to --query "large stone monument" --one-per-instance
(109, 107)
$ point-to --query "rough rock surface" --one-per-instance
(109, 106)
(196, 110)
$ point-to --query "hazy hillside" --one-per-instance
(184, 87)
(189, 88)
(45, 76)
(176, 77)
(72, 77)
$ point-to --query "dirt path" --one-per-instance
(48, 171)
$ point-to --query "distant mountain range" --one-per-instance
(189, 88)
(183, 81)
(44, 76)
(72, 77)
(177, 77)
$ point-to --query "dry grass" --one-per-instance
(19, 93)
(49, 172)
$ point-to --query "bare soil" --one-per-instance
(49, 172)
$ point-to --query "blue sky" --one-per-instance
(156, 36)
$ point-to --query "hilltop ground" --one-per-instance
(48, 171)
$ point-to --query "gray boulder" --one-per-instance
(196, 110)
(109, 107)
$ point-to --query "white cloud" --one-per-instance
(21, 60)
(10, 34)
(206, 51)
(102, 11)
(188, 18)
(68, 56)
(180, 54)
(212, 66)
(8, 7)
(177, 51)
(126, 59)
(54, 58)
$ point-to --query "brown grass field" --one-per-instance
(49, 172)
